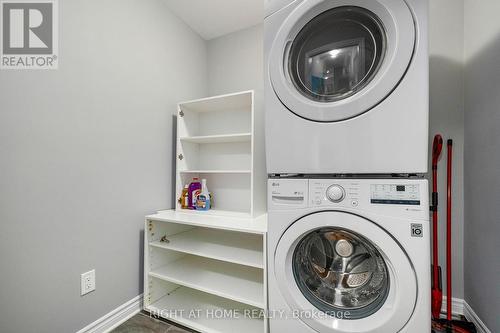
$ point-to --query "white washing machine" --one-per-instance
(347, 87)
(349, 255)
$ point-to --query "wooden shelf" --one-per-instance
(226, 138)
(234, 282)
(231, 221)
(233, 247)
(183, 300)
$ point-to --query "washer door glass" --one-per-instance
(338, 270)
(337, 54)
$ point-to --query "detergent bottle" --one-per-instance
(203, 198)
(183, 200)
(193, 191)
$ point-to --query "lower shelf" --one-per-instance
(238, 283)
(207, 313)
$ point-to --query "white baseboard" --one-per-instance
(473, 317)
(460, 307)
(457, 306)
(115, 318)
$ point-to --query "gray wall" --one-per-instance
(235, 62)
(447, 118)
(482, 159)
(84, 155)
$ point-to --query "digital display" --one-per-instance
(393, 194)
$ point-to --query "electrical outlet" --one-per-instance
(87, 282)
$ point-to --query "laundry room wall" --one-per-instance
(236, 62)
(447, 118)
(482, 158)
(85, 154)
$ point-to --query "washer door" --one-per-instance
(340, 271)
(333, 60)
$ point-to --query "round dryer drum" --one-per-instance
(335, 59)
(349, 270)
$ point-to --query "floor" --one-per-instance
(142, 323)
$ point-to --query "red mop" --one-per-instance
(437, 292)
(449, 325)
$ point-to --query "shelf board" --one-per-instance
(237, 101)
(183, 300)
(225, 138)
(234, 282)
(232, 221)
(217, 171)
(217, 212)
(228, 246)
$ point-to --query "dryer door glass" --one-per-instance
(337, 54)
(341, 272)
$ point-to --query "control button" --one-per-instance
(354, 203)
(318, 201)
(335, 193)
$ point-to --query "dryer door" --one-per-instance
(334, 60)
(338, 270)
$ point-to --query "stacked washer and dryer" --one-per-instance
(347, 149)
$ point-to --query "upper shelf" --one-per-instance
(226, 138)
(213, 219)
(237, 101)
(228, 246)
(217, 171)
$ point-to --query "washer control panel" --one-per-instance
(288, 193)
(390, 197)
(394, 194)
(331, 192)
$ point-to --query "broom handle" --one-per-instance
(435, 246)
(449, 293)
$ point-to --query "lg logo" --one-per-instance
(29, 37)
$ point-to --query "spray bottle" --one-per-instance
(203, 198)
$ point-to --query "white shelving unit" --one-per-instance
(199, 266)
(217, 141)
(206, 264)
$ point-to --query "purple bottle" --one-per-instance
(194, 187)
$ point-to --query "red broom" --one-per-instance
(437, 292)
(448, 233)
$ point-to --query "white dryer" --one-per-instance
(346, 86)
(349, 255)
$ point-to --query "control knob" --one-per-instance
(335, 193)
